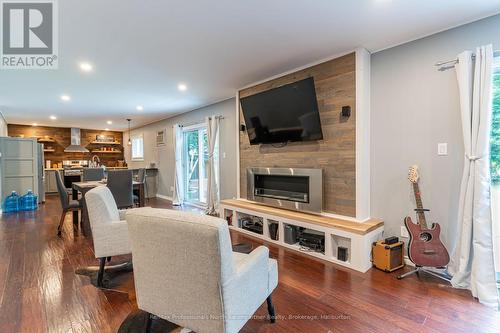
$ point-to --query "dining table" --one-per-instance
(85, 186)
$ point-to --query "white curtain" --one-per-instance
(178, 196)
(472, 264)
(213, 165)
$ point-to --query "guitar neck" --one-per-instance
(420, 207)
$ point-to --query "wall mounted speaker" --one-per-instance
(346, 111)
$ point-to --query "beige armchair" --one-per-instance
(109, 228)
(186, 272)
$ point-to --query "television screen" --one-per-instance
(283, 114)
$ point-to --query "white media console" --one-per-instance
(356, 237)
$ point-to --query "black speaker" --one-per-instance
(342, 253)
(273, 231)
(346, 111)
(291, 234)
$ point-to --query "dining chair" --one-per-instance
(186, 272)
(120, 184)
(66, 204)
(109, 228)
(93, 174)
(141, 178)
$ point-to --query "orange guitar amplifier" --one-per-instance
(387, 257)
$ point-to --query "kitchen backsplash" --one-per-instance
(55, 139)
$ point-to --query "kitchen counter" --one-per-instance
(127, 168)
(107, 168)
(50, 182)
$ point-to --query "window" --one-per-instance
(138, 148)
(195, 162)
(195, 156)
(495, 165)
(495, 126)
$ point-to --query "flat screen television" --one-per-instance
(284, 114)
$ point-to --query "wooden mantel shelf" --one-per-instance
(360, 228)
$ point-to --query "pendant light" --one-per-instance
(129, 141)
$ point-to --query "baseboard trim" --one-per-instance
(408, 262)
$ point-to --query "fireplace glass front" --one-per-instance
(290, 188)
(293, 188)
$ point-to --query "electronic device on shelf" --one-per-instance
(342, 253)
(291, 234)
(273, 230)
(252, 224)
(312, 241)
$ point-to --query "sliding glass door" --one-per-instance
(195, 157)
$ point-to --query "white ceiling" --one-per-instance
(142, 49)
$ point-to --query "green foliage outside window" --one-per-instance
(495, 132)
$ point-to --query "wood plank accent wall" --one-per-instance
(62, 136)
(336, 154)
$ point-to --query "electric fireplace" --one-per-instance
(290, 188)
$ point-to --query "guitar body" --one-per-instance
(425, 248)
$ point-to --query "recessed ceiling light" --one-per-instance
(35, 124)
(65, 98)
(53, 117)
(86, 67)
(182, 87)
(139, 107)
(109, 122)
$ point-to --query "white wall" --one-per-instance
(414, 107)
(3, 125)
(164, 155)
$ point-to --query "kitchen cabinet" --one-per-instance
(50, 181)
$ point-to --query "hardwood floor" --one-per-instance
(40, 292)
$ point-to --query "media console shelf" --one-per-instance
(338, 233)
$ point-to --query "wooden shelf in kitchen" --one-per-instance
(105, 143)
(46, 140)
(106, 152)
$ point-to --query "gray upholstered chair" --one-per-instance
(109, 228)
(186, 272)
(93, 174)
(121, 185)
(67, 205)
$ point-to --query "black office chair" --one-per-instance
(120, 184)
(66, 204)
(93, 174)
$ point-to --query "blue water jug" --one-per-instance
(29, 201)
(11, 203)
